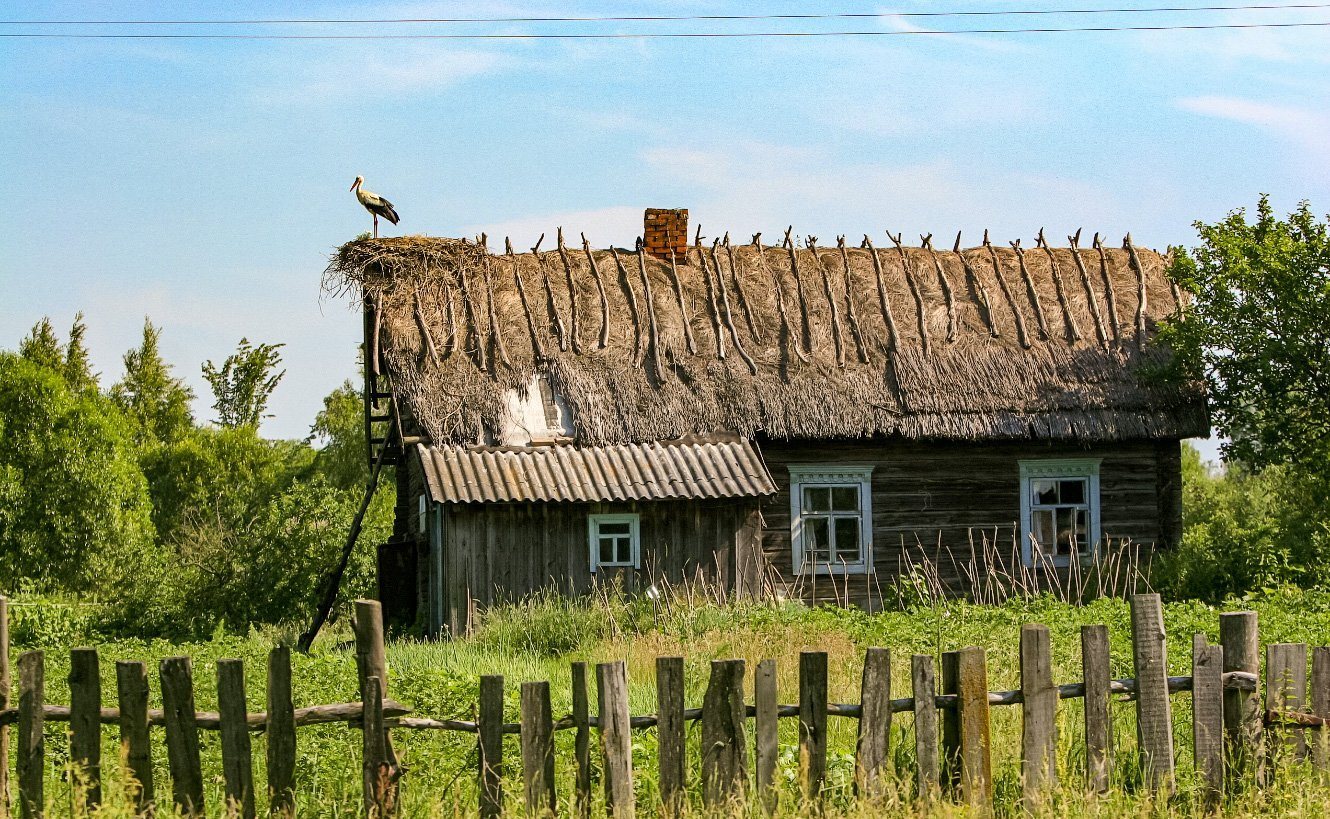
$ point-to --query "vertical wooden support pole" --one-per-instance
(85, 727)
(281, 734)
(376, 773)
(581, 742)
(616, 741)
(1207, 708)
(237, 758)
(766, 748)
(489, 744)
(182, 735)
(372, 661)
(1098, 733)
(951, 723)
(131, 682)
(972, 710)
(30, 757)
(1154, 721)
(873, 749)
(923, 680)
(1239, 635)
(670, 732)
(1286, 690)
(1039, 714)
(724, 746)
(813, 722)
(538, 749)
(1320, 703)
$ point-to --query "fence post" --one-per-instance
(972, 710)
(724, 747)
(616, 741)
(873, 748)
(372, 661)
(376, 772)
(131, 682)
(951, 723)
(813, 722)
(6, 688)
(1154, 722)
(182, 735)
(1285, 690)
(1240, 637)
(31, 756)
(581, 742)
(765, 744)
(1320, 702)
(85, 726)
(670, 732)
(1039, 714)
(237, 762)
(924, 685)
(1207, 708)
(538, 749)
(489, 745)
(281, 734)
(1098, 736)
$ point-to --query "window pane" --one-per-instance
(847, 540)
(1083, 529)
(1068, 537)
(617, 528)
(817, 540)
(817, 499)
(606, 550)
(1072, 491)
(845, 499)
(1041, 527)
(1044, 492)
(625, 550)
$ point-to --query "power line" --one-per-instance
(676, 18)
(660, 35)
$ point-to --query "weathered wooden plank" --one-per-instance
(372, 661)
(1154, 722)
(724, 746)
(182, 735)
(670, 732)
(581, 742)
(924, 687)
(951, 723)
(1207, 707)
(281, 734)
(131, 680)
(972, 710)
(1286, 690)
(766, 748)
(1239, 636)
(376, 771)
(1098, 728)
(1039, 714)
(813, 722)
(30, 756)
(1320, 702)
(873, 750)
(237, 759)
(85, 726)
(538, 749)
(615, 738)
(489, 745)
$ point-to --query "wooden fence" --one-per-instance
(1231, 732)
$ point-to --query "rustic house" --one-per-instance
(789, 415)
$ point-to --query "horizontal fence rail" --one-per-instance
(1235, 730)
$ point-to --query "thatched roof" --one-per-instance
(789, 342)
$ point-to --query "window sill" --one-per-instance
(830, 571)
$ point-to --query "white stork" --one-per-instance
(375, 204)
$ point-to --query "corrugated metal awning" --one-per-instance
(654, 471)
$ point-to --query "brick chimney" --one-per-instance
(666, 229)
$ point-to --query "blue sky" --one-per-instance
(204, 183)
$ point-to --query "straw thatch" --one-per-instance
(808, 341)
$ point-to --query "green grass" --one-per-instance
(537, 640)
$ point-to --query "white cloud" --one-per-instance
(1306, 128)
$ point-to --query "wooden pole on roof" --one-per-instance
(653, 337)
(712, 301)
(753, 329)
(1021, 335)
(427, 340)
(836, 341)
(914, 290)
(1109, 292)
(985, 302)
(536, 347)
(805, 324)
(786, 332)
(726, 315)
(883, 301)
(473, 323)
(626, 283)
(1140, 278)
(551, 306)
(1063, 302)
(850, 315)
(688, 339)
(1100, 331)
(947, 295)
(496, 332)
(600, 290)
(572, 291)
(1030, 288)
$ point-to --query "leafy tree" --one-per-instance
(339, 433)
(1258, 333)
(78, 366)
(244, 383)
(42, 346)
(157, 401)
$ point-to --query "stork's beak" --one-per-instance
(353, 185)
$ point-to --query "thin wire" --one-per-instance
(671, 17)
(657, 36)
